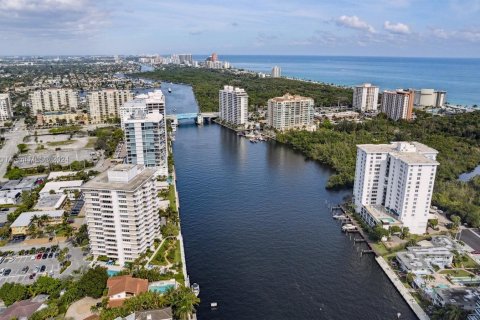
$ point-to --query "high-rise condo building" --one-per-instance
(121, 210)
(148, 102)
(276, 72)
(214, 57)
(394, 184)
(146, 134)
(290, 112)
(146, 140)
(430, 98)
(53, 100)
(365, 98)
(398, 104)
(233, 105)
(5, 107)
(185, 58)
(105, 104)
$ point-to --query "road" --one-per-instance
(471, 237)
(12, 139)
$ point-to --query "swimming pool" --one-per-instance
(160, 289)
(112, 273)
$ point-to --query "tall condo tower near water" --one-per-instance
(144, 122)
(394, 184)
(53, 100)
(121, 210)
(233, 105)
(398, 104)
(276, 72)
(290, 112)
(365, 98)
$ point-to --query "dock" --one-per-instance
(407, 296)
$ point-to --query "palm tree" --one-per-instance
(44, 218)
(183, 301)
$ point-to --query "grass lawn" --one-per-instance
(171, 196)
(159, 258)
(60, 143)
(470, 263)
(91, 142)
(380, 248)
(456, 272)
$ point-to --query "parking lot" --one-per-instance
(52, 266)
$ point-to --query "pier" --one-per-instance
(406, 295)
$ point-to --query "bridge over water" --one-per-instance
(198, 117)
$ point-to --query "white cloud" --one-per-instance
(354, 22)
(398, 28)
(470, 35)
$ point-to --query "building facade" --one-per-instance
(398, 177)
(290, 112)
(105, 104)
(233, 105)
(5, 107)
(53, 100)
(121, 211)
(145, 139)
(154, 100)
(398, 104)
(365, 98)
(276, 72)
(430, 98)
(61, 118)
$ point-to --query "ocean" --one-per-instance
(459, 77)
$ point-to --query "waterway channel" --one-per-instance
(259, 238)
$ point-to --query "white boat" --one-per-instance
(169, 90)
(339, 216)
(348, 227)
(196, 289)
(213, 304)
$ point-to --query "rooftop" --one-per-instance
(413, 158)
(289, 97)
(126, 284)
(160, 314)
(102, 181)
(381, 214)
(57, 186)
(20, 309)
(50, 201)
(25, 218)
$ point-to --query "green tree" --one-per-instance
(183, 301)
(433, 223)
(456, 220)
(12, 292)
(169, 230)
(378, 232)
(22, 147)
(46, 285)
(93, 282)
(405, 233)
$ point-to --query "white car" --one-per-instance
(1, 271)
(32, 257)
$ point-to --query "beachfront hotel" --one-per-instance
(233, 105)
(276, 72)
(429, 98)
(290, 112)
(105, 104)
(394, 184)
(5, 107)
(365, 98)
(398, 104)
(53, 100)
(121, 211)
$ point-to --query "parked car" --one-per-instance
(2, 271)
(56, 254)
(43, 268)
(37, 268)
(33, 258)
(39, 256)
(50, 255)
(32, 275)
(44, 256)
(25, 269)
(47, 250)
(7, 272)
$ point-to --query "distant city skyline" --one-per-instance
(409, 28)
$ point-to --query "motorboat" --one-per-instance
(196, 289)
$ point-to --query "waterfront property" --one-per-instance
(233, 105)
(162, 286)
(53, 100)
(154, 100)
(429, 98)
(121, 288)
(105, 104)
(121, 208)
(422, 261)
(290, 112)
(399, 177)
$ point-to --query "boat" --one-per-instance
(213, 304)
(348, 227)
(196, 289)
(169, 90)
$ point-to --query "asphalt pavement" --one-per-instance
(12, 138)
(471, 237)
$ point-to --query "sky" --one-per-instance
(404, 28)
